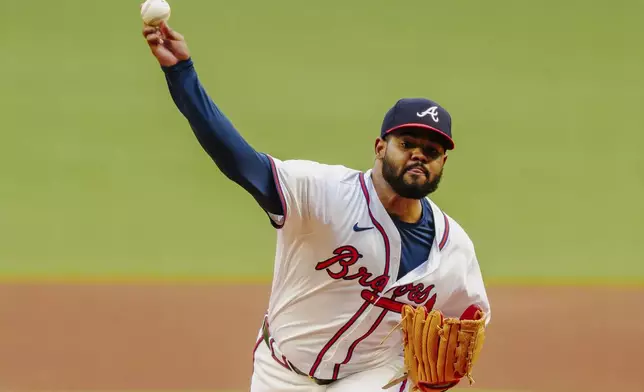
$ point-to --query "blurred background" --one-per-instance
(103, 180)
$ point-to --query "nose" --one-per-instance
(417, 154)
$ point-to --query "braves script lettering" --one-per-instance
(346, 256)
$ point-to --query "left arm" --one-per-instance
(471, 296)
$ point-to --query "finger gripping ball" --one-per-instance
(153, 12)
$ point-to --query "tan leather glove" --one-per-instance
(440, 351)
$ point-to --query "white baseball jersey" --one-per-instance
(334, 293)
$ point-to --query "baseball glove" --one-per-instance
(440, 351)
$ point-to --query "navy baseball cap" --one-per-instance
(419, 113)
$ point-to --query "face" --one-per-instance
(412, 162)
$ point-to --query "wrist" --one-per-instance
(179, 66)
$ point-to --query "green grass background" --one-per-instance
(102, 177)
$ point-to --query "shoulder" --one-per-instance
(457, 237)
(461, 237)
(312, 170)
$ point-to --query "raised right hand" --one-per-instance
(168, 46)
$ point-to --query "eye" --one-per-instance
(432, 152)
(404, 144)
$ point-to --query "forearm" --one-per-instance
(219, 138)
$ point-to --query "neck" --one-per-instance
(406, 210)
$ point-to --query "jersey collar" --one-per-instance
(441, 220)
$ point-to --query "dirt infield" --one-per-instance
(77, 337)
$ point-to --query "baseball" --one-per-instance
(154, 12)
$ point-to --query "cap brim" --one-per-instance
(449, 142)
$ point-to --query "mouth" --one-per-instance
(417, 171)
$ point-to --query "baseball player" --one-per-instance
(354, 249)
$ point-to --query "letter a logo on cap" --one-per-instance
(432, 111)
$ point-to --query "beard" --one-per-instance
(405, 189)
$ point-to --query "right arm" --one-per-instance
(289, 191)
(218, 137)
(250, 169)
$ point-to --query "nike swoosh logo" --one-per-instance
(357, 229)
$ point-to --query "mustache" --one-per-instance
(419, 166)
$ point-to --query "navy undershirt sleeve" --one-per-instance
(236, 159)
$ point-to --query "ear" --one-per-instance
(380, 148)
